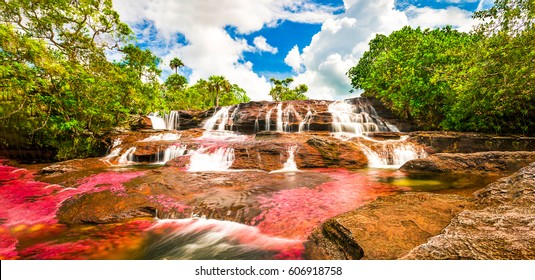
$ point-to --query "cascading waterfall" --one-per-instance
(356, 120)
(162, 137)
(279, 118)
(306, 121)
(220, 119)
(391, 153)
(170, 121)
(171, 152)
(203, 159)
(128, 157)
(158, 123)
(290, 164)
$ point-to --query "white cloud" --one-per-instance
(433, 18)
(294, 60)
(485, 4)
(210, 49)
(343, 40)
(261, 44)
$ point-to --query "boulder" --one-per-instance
(483, 162)
(387, 228)
(501, 227)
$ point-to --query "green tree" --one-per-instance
(403, 71)
(280, 90)
(218, 86)
(59, 90)
(494, 86)
(175, 64)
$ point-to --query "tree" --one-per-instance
(60, 91)
(280, 90)
(218, 86)
(495, 90)
(175, 64)
(403, 71)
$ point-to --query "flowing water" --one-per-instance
(278, 210)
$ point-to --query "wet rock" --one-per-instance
(483, 162)
(73, 166)
(387, 228)
(170, 193)
(467, 142)
(502, 226)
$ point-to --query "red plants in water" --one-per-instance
(30, 206)
(294, 213)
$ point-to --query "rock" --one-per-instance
(72, 166)
(482, 162)
(168, 192)
(387, 228)
(467, 142)
(502, 227)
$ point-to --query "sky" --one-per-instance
(313, 41)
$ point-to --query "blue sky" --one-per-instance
(249, 42)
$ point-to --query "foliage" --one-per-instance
(58, 89)
(402, 71)
(481, 81)
(280, 91)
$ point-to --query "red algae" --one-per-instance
(294, 213)
(168, 203)
(105, 242)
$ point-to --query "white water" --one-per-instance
(162, 137)
(279, 117)
(128, 157)
(289, 165)
(203, 160)
(391, 153)
(199, 238)
(356, 120)
(158, 123)
(221, 119)
(171, 153)
(170, 121)
(306, 121)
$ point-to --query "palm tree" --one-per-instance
(218, 85)
(175, 64)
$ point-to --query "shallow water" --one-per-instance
(289, 210)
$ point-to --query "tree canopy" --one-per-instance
(280, 90)
(450, 80)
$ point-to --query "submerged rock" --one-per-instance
(387, 228)
(482, 162)
(502, 226)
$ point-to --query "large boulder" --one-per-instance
(387, 228)
(502, 226)
(482, 162)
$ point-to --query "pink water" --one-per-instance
(29, 228)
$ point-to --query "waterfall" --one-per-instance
(170, 121)
(356, 120)
(158, 122)
(172, 152)
(162, 137)
(289, 165)
(279, 117)
(268, 120)
(221, 119)
(199, 238)
(128, 157)
(203, 160)
(391, 153)
(306, 121)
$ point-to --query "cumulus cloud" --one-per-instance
(343, 39)
(197, 32)
(262, 45)
(210, 49)
(294, 60)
